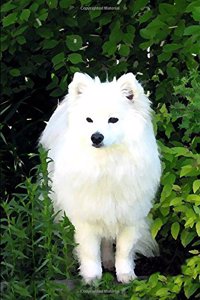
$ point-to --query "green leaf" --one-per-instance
(168, 178)
(66, 4)
(171, 47)
(130, 29)
(190, 222)
(164, 291)
(52, 3)
(49, 44)
(34, 7)
(196, 13)
(75, 58)
(153, 279)
(172, 72)
(166, 191)
(109, 48)
(165, 56)
(194, 4)
(21, 39)
(10, 19)
(178, 32)
(153, 29)
(145, 17)
(58, 66)
(94, 13)
(105, 19)
(43, 14)
(138, 4)
(176, 188)
(63, 83)
(198, 228)
(15, 72)
(56, 93)
(190, 289)
(167, 9)
(180, 151)
(193, 198)
(185, 170)
(145, 45)
(45, 32)
(74, 42)
(53, 83)
(25, 15)
(175, 228)
(116, 34)
(196, 209)
(19, 30)
(128, 37)
(124, 50)
(59, 58)
(196, 185)
(191, 30)
(74, 69)
(157, 224)
(7, 6)
(176, 201)
(187, 237)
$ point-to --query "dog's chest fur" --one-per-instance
(110, 187)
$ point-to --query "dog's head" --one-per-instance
(106, 114)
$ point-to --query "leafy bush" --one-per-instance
(178, 210)
(43, 44)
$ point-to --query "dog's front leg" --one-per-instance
(88, 250)
(126, 239)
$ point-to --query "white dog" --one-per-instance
(105, 171)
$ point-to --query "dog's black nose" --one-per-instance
(97, 138)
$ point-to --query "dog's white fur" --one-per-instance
(106, 192)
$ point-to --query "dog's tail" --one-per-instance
(146, 245)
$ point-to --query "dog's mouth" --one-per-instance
(98, 146)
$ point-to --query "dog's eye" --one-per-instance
(89, 120)
(130, 97)
(113, 120)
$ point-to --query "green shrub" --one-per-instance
(42, 44)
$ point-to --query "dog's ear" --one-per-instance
(129, 86)
(79, 83)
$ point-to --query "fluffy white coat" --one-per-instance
(106, 191)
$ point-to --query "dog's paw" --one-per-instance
(126, 277)
(91, 272)
(92, 280)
